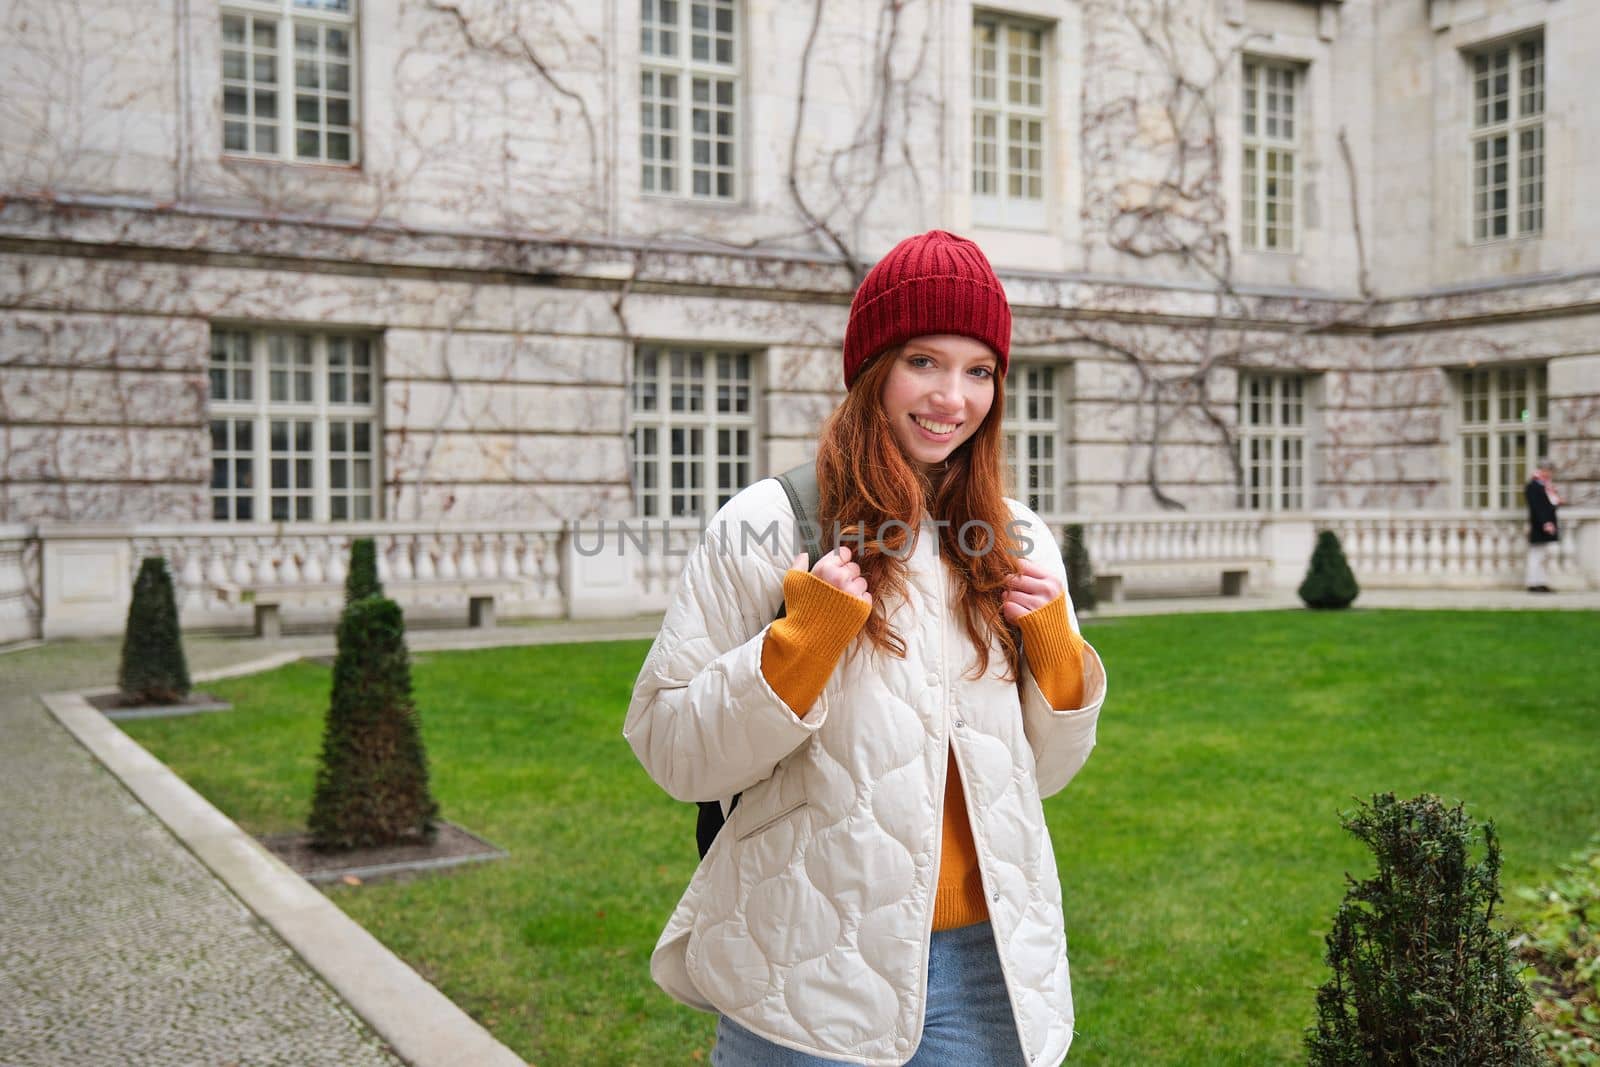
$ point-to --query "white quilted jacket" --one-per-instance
(808, 922)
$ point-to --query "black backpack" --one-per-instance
(800, 483)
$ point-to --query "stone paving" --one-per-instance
(118, 947)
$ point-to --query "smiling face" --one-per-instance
(937, 394)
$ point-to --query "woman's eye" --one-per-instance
(983, 372)
(920, 361)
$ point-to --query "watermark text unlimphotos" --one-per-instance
(974, 538)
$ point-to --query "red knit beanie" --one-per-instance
(933, 283)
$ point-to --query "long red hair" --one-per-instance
(873, 495)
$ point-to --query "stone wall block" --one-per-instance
(1101, 380)
(101, 398)
(597, 410)
(797, 415)
(449, 457)
(1356, 428)
(47, 339)
(806, 369)
(570, 458)
(471, 406)
(502, 357)
(103, 454)
(1384, 464)
(1129, 422)
(532, 503)
(32, 502)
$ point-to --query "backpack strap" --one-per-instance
(805, 497)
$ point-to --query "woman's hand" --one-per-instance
(1029, 591)
(839, 571)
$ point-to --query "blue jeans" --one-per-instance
(968, 1021)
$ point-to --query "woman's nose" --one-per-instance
(947, 393)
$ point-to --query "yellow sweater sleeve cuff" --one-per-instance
(1055, 653)
(804, 646)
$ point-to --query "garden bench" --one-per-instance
(1235, 573)
(479, 593)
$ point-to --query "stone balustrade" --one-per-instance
(1174, 536)
(1458, 550)
(75, 579)
(21, 597)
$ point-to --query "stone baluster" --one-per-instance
(1479, 548)
(466, 551)
(424, 558)
(486, 555)
(1509, 550)
(289, 567)
(264, 571)
(1385, 555)
(314, 550)
(244, 570)
(448, 554)
(219, 551)
(192, 552)
(337, 569)
(510, 565)
(549, 563)
(400, 554)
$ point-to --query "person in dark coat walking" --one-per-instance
(1542, 528)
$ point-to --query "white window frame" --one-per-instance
(1009, 175)
(1035, 405)
(290, 20)
(244, 394)
(680, 395)
(1274, 442)
(686, 135)
(1519, 173)
(1502, 427)
(1271, 133)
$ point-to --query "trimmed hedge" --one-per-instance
(372, 782)
(362, 579)
(153, 668)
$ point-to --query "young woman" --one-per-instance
(885, 891)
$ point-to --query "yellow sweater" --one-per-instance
(802, 649)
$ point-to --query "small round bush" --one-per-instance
(1329, 582)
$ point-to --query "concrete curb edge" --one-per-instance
(423, 1026)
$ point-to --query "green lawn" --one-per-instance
(1200, 848)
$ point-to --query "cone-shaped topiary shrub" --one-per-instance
(1419, 975)
(153, 669)
(1329, 582)
(362, 580)
(372, 785)
(1080, 572)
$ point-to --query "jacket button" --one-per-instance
(960, 723)
(901, 1044)
(933, 677)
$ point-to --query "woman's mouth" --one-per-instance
(935, 430)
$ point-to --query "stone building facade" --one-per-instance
(313, 261)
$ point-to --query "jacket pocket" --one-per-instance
(771, 821)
